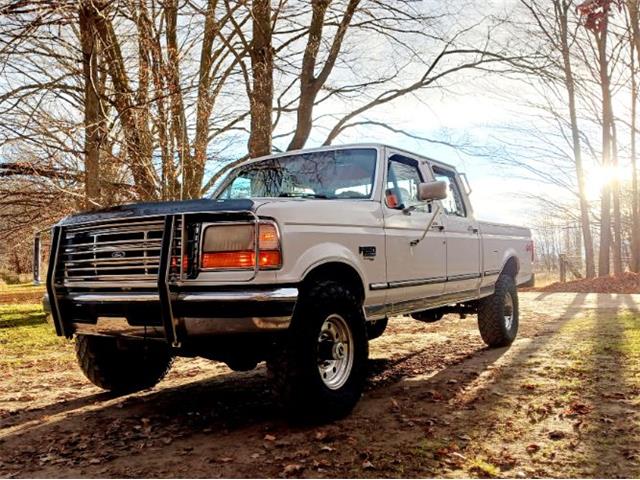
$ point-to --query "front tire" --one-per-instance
(498, 315)
(122, 369)
(319, 372)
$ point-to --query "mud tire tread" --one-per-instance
(292, 367)
(490, 314)
(121, 370)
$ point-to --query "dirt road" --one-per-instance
(563, 401)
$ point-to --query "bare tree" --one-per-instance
(556, 32)
(94, 109)
(261, 90)
(633, 24)
(596, 14)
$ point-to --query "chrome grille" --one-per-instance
(125, 250)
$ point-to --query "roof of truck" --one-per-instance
(355, 145)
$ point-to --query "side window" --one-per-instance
(403, 178)
(453, 204)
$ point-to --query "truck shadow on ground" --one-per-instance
(240, 407)
(219, 404)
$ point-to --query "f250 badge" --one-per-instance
(368, 252)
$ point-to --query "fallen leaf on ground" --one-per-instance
(292, 468)
(533, 448)
(557, 435)
(578, 408)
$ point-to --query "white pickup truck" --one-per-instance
(299, 259)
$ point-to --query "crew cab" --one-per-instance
(298, 259)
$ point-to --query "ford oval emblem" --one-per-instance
(118, 254)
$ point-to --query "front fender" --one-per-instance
(319, 254)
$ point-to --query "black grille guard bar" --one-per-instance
(166, 296)
(56, 240)
(164, 292)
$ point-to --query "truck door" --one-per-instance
(463, 237)
(414, 270)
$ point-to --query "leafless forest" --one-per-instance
(111, 101)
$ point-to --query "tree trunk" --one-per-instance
(604, 259)
(310, 84)
(135, 129)
(93, 112)
(205, 104)
(635, 213)
(617, 217)
(178, 119)
(635, 207)
(261, 97)
(569, 80)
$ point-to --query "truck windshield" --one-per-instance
(346, 173)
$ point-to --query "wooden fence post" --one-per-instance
(563, 267)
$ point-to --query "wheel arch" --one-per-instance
(339, 271)
(511, 267)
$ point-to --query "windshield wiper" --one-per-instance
(304, 195)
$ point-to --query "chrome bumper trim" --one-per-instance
(273, 303)
(212, 326)
(113, 297)
(287, 294)
(193, 326)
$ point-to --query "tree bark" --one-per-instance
(615, 194)
(178, 119)
(634, 20)
(310, 84)
(94, 119)
(604, 259)
(261, 96)
(169, 185)
(205, 104)
(135, 127)
(635, 207)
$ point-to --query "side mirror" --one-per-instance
(428, 191)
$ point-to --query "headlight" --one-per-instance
(232, 247)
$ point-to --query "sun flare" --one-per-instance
(600, 176)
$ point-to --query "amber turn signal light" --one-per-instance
(243, 259)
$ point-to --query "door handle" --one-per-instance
(472, 229)
(440, 228)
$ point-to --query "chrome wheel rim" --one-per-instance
(335, 352)
(508, 311)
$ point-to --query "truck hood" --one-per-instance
(162, 208)
(332, 212)
(285, 209)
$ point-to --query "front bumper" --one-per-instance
(115, 300)
(194, 313)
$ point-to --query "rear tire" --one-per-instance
(126, 369)
(498, 315)
(318, 373)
